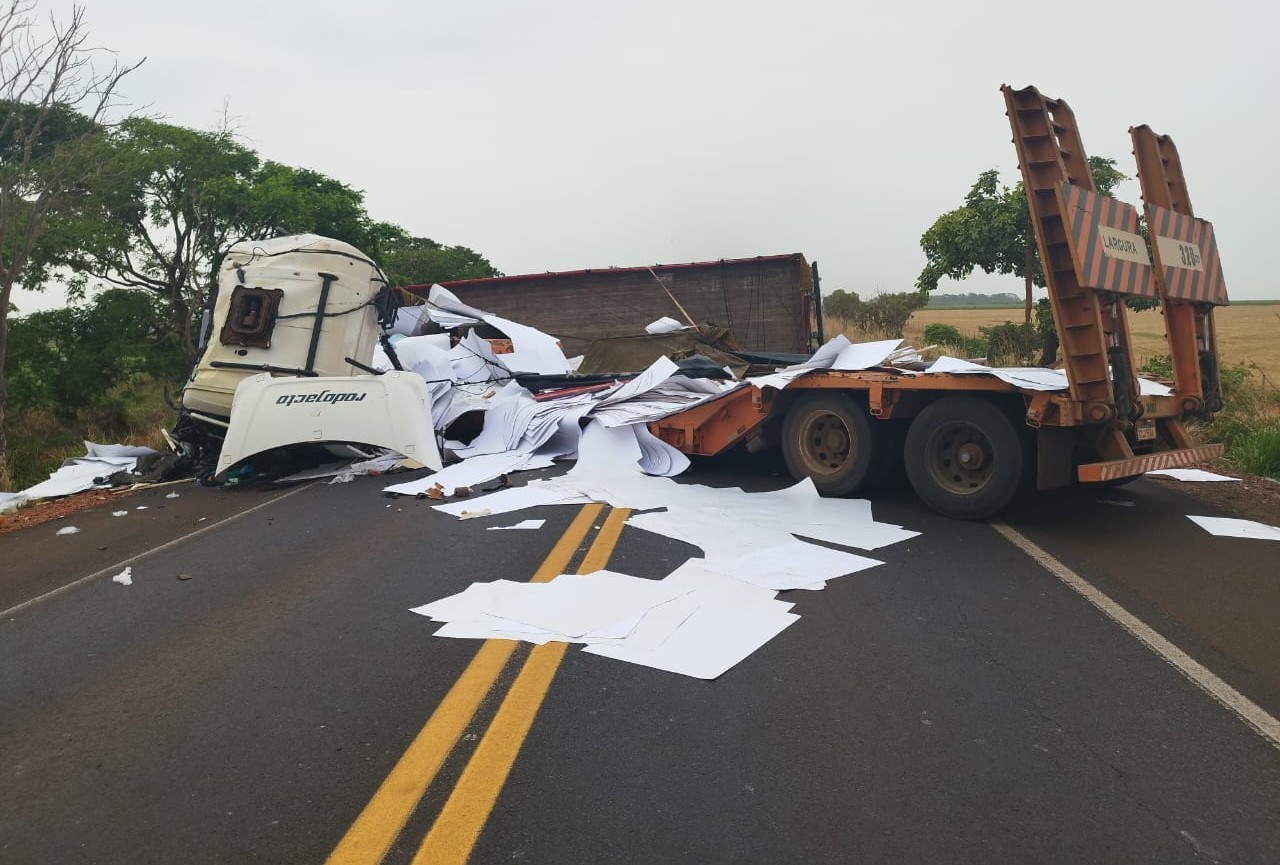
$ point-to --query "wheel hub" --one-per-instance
(970, 456)
(959, 458)
(827, 443)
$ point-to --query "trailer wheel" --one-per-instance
(964, 458)
(829, 438)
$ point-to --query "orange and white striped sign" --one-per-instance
(1107, 246)
(1187, 256)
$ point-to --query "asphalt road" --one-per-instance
(248, 697)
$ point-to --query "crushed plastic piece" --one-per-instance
(124, 578)
(68, 530)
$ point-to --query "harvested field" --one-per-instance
(1246, 333)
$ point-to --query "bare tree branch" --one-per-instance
(46, 74)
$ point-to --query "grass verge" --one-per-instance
(40, 439)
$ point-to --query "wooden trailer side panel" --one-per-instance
(762, 300)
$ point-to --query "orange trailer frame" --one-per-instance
(966, 433)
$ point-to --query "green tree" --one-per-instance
(69, 358)
(53, 98)
(883, 315)
(287, 200)
(840, 304)
(176, 199)
(423, 261)
(992, 231)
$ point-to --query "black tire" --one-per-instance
(829, 437)
(964, 457)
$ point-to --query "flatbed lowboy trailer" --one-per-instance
(970, 443)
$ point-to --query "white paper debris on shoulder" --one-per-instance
(1193, 475)
(1228, 527)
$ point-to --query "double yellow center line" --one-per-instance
(464, 814)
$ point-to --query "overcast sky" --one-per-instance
(568, 134)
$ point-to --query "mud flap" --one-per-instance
(391, 411)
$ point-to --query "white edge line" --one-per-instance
(129, 561)
(1248, 711)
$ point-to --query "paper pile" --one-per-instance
(752, 548)
(694, 622)
(838, 355)
(81, 473)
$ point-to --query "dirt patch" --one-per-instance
(1250, 498)
(48, 510)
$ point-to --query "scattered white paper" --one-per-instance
(468, 473)
(68, 530)
(576, 604)
(660, 370)
(11, 501)
(656, 456)
(708, 614)
(716, 587)
(489, 629)
(707, 643)
(1190, 475)
(1228, 527)
(532, 350)
(523, 524)
(792, 565)
(953, 364)
(864, 355)
(444, 308)
(407, 319)
(605, 451)
(119, 513)
(173, 496)
(505, 501)
(124, 578)
(95, 450)
(600, 607)
(77, 477)
(472, 602)
(1028, 377)
(666, 324)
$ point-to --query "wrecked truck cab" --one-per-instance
(297, 307)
